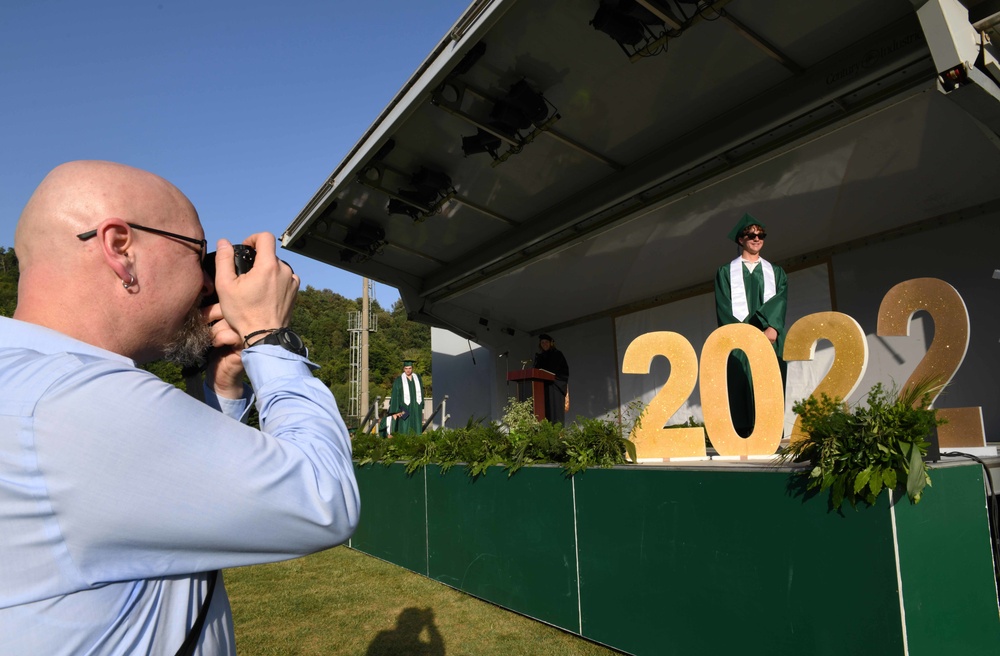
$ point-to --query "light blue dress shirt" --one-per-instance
(118, 491)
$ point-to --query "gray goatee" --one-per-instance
(191, 342)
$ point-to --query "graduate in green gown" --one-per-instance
(407, 396)
(750, 290)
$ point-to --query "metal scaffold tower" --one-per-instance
(359, 324)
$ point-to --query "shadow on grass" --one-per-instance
(406, 637)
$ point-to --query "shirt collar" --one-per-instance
(20, 334)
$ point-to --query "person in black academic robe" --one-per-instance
(758, 297)
(552, 360)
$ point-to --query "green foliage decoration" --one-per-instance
(856, 454)
(518, 439)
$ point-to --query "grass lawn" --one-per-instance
(342, 602)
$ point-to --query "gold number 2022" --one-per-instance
(941, 360)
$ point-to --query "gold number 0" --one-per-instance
(946, 352)
(769, 397)
(651, 439)
(850, 354)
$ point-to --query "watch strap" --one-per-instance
(287, 339)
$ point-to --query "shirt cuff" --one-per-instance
(234, 408)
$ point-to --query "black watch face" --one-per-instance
(291, 341)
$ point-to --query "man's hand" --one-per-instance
(771, 334)
(262, 298)
(225, 365)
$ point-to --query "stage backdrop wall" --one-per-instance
(590, 352)
(466, 372)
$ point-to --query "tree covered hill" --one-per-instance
(321, 318)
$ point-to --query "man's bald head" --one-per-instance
(76, 196)
(118, 276)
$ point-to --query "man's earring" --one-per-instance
(131, 281)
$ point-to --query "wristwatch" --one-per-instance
(287, 339)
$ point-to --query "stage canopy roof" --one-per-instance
(612, 162)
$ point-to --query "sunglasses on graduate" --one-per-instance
(755, 235)
(202, 243)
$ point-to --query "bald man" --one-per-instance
(120, 496)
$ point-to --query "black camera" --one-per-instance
(243, 259)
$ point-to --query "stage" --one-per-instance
(701, 557)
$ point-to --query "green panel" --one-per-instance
(717, 562)
(392, 525)
(507, 540)
(949, 590)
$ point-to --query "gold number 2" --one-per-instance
(850, 354)
(946, 352)
(651, 439)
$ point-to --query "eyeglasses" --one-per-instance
(202, 243)
(755, 235)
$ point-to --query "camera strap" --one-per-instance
(187, 649)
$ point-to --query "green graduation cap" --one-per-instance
(409, 363)
(745, 222)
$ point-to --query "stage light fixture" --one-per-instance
(396, 206)
(422, 196)
(426, 178)
(481, 142)
(622, 28)
(519, 108)
(429, 189)
(363, 242)
(636, 30)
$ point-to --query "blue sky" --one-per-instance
(246, 106)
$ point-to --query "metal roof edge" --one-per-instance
(466, 32)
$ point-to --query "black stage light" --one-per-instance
(363, 242)
(423, 195)
(397, 206)
(629, 24)
(481, 142)
(429, 188)
(622, 28)
(428, 179)
(351, 257)
(528, 101)
(519, 109)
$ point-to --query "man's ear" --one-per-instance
(115, 237)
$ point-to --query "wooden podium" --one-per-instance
(531, 384)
